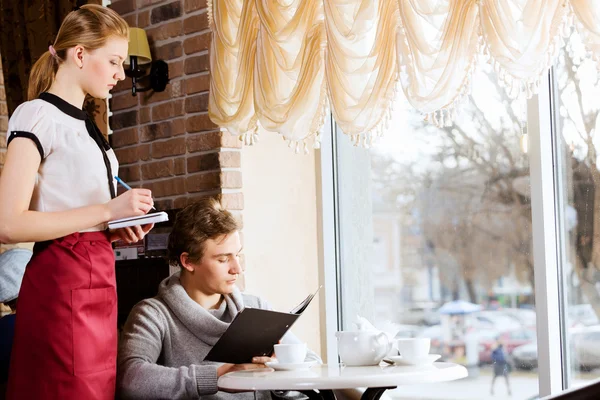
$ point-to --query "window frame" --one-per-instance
(548, 243)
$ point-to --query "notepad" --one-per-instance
(253, 332)
(139, 220)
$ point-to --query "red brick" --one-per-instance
(2, 158)
(3, 124)
(204, 142)
(179, 166)
(166, 31)
(197, 64)
(166, 12)
(123, 86)
(128, 155)
(192, 5)
(203, 182)
(175, 69)
(162, 130)
(163, 205)
(123, 100)
(173, 90)
(145, 115)
(169, 51)
(231, 180)
(197, 43)
(232, 201)
(172, 147)
(167, 187)
(143, 19)
(2, 95)
(158, 169)
(199, 123)
(144, 152)
(167, 110)
(123, 120)
(230, 159)
(123, 6)
(195, 23)
(131, 19)
(197, 103)
(203, 162)
(198, 84)
(3, 107)
(1, 78)
(130, 173)
(230, 141)
(146, 3)
(124, 137)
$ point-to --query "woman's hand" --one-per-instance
(130, 234)
(131, 203)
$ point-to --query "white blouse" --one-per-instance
(72, 172)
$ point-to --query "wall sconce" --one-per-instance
(139, 58)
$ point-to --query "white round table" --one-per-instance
(327, 377)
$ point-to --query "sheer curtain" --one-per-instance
(282, 64)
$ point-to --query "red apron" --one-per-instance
(65, 344)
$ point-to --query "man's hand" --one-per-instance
(258, 364)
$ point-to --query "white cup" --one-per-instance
(294, 353)
(413, 348)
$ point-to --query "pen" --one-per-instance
(126, 186)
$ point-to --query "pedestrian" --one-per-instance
(501, 366)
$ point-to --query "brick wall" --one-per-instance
(165, 141)
(3, 119)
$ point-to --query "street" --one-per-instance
(524, 386)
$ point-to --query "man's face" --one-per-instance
(219, 267)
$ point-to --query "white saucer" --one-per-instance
(277, 366)
(428, 359)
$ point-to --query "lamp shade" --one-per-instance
(138, 46)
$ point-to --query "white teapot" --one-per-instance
(362, 347)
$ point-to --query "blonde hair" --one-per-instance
(90, 26)
(194, 225)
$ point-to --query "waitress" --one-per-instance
(57, 189)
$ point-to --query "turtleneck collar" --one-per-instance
(207, 325)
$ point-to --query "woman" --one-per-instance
(57, 190)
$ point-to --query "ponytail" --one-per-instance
(88, 26)
(42, 75)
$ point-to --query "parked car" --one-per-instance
(584, 344)
(495, 320)
(420, 314)
(582, 314)
(526, 317)
(526, 357)
(586, 347)
(511, 340)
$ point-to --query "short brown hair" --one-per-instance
(194, 225)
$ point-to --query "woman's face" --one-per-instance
(103, 67)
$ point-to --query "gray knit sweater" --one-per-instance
(165, 340)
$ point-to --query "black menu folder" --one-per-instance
(254, 332)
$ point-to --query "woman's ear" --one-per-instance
(78, 52)
(184, 259)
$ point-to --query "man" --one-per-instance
(166, 338)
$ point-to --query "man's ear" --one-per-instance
(184, 259)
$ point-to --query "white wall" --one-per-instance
(280, 229)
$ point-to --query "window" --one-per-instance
(431, 215)
(576, 105)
